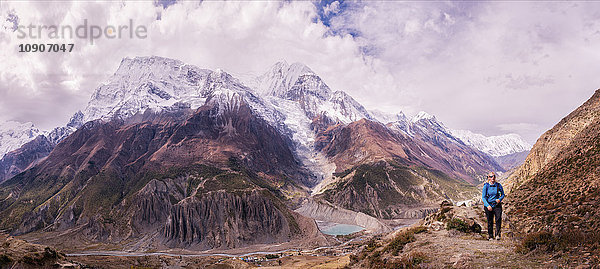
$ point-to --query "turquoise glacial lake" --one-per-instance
(341, 229)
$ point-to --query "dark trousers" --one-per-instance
(495, 213)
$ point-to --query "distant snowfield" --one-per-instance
(493, 145)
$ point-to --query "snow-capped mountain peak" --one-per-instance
(147, 66)
(428, 121)
(14, 134)
(500, 145)
(225, 100)
(422, 115)
(385, 117)
(279, 79)
(148, 83)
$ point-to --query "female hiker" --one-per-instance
(492, 196)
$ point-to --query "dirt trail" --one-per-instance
(457, 250)
(453, 249)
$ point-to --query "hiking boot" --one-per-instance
(491, 238)
(497, 237)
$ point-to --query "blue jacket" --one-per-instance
(492, 192)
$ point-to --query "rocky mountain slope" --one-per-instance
(214, 178)
(453, 238)
(424, 144)
(16, 253)
(511, 161)
(557, 190)
(555, 140)
(33, 151)
(390, 190)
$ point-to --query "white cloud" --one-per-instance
(479, 65)
(526, 130)
(476, 66)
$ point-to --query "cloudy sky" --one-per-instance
(492, 67)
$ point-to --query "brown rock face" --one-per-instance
(559, 186)
(215, 134)
(220, 219)
(555, 140)
(363, 141)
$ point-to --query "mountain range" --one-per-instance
(172, 155)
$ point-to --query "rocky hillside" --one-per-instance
(453, 237)
(15, 253)
(211, 178)
(512, 161)
(557, 190)
(439, 149)
(555, 140)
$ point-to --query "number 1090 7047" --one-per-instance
(46, 47)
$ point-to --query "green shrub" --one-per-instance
(476, 228)
(403, 238)
(458, 224)
(441, 216)
(31, 260)
(412, 260)
(546, 241)
(371, 245)
(50, 253)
